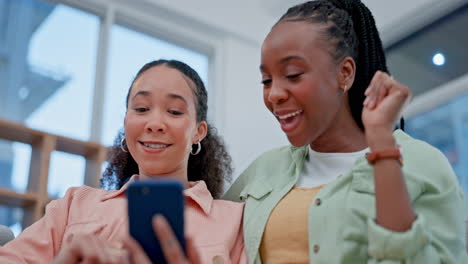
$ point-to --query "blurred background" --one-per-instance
(66, 65)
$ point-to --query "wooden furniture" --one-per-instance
(35, 198)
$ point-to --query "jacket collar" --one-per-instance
(197, 192)
(299, 154)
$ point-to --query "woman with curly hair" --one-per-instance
(165, 135)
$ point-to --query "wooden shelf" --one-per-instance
(77, 147)
(18, 132)
(15, 199)
(42, 145)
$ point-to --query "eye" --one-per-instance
(175, 112)
(294, 76)
(266, 81)
(140, 109)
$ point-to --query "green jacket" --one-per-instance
(342, 227)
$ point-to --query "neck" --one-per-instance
(175, 175)
(343, 136)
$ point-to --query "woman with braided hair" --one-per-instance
(350, 188)
(322, 199)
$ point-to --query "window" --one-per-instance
(446, 128)
(16, 159)
(49, 57)
(66, 170)
(51, 65)
(12, 217)
(64, 46)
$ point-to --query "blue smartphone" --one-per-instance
(151, 197)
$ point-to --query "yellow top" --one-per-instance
(285, 239)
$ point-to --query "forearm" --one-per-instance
(393, 205)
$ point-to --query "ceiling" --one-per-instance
(411, 60)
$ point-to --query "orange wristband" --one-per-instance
(392, 153)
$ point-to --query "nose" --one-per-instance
(277, 94)
(156, 123)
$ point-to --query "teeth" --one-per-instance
(155, 146)
(290, 114)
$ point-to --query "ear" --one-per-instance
(346, 73)
(202, 130)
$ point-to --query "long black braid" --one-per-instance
(350, 28)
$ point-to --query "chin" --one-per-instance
(156, 170)
(297, 142)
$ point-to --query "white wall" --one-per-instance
(249, 129)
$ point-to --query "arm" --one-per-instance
(238, 254)
(393, 206)
(437, 234)
(431, 230)
(385, 99)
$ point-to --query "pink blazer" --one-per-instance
(214, 225)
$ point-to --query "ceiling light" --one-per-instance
(438, 59)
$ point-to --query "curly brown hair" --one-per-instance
(212, 164)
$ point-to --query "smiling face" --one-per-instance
(302, 82)
(160, 123)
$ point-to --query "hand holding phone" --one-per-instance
(155, 197)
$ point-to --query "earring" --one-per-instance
(345, 88)
(198, 149)
(122, 145)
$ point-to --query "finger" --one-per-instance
(136, 253)
(373, 81)
(386, 84)
(371, 90)
(169, 244)
(67, 255)
(98, 251)
(93, 250)
(117, 255)
(192, 251)
(381, 89)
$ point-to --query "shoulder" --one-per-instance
(227, 213)
(425, 162)
(267, 165)
(229, 206)
(82, 194)
(278, 156)
(275, 153)
(421, 154)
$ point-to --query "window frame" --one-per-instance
(147, 18)
(159, 22)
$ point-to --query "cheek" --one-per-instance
(132, 125)
(133, 129)
(184, 129)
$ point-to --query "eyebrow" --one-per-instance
(176, 96)
(284, 60)
(170, 95)
(143, 93)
